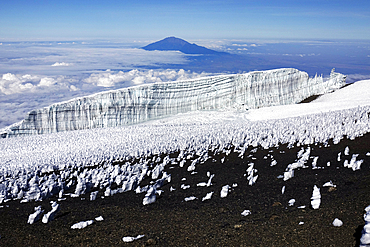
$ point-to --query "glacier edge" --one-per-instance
(141, 103)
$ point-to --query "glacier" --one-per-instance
(138, 104)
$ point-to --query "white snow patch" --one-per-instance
(131, 239)
(273, 163)
(246, 212)
(316, 198)
(93, 195)
(337, 222)
(82, 224)
(365, 238)
(51, 214)
(302, 157)
(159, 192)
(208, 196)
(150, 196)
(99, 218)
(314, 162)
(190, 198)
(251, 171)
(346, 151)
(224, 191)
(35, 216)
(209, 183)
(288, 174)
(329, 184)
(184, 187)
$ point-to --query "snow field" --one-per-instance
(155, 166)
(37, 167)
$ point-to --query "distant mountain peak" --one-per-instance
(177, 44)
(175, 40)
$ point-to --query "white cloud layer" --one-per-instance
(137, 77)
(61, 64)
(12, 83)
(52, 59)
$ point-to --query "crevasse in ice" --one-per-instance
(152, 101)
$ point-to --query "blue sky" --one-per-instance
(193, 19)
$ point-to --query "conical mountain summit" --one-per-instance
(177, 44)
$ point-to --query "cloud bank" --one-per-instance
(15, 83)
(137, 77)
(61, 64)
(80, 59)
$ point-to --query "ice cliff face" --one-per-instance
(152, 101)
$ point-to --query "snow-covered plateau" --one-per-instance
(139, 104)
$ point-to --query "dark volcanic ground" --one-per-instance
(171, 221)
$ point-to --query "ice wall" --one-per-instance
(152, 101)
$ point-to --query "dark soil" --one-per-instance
(171, 221)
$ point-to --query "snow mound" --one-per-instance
(337, 222)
